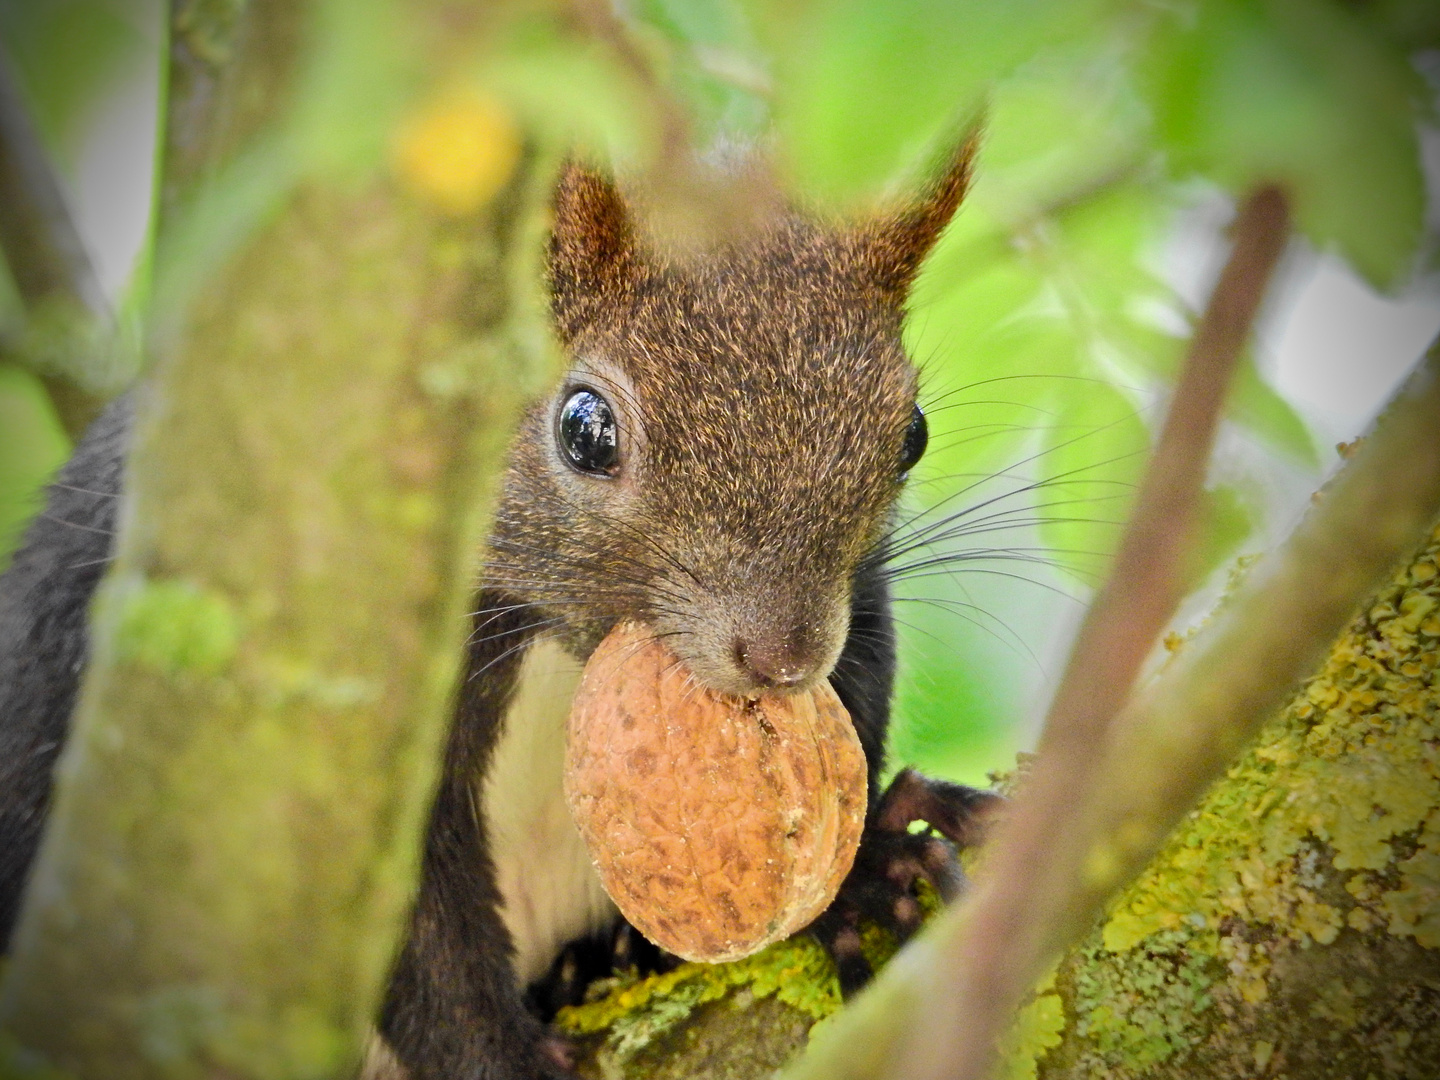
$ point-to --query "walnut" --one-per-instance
(718, 824)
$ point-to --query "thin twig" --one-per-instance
(1146, 582)
(994, 955)
(53, 274)
(1119, 632)
(1011, 918)
(1223, 685)
(37, 235)
(1171, 742)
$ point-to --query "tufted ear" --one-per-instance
(892, 245)
(592, 248)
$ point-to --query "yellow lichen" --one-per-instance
(1336, 1004)
(634, 1012)
(1335, 784)
(1414, 908)
(1036, 1029)
(1140, 1013)
(1263, 1050)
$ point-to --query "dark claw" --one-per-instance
(615, 950)
(632, 949)
(579, 964)
(559, 1054)
(956, 812)
(883, 885)
(836, 931)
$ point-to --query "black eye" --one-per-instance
(587, 433)
(917, 435)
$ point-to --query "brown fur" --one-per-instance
(893, 245)
(763, 394)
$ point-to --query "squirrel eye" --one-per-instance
(917, 435)
(587, 433)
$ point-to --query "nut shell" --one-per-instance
(717, 824)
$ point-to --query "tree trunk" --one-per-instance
(1290, 928)
(236, 823)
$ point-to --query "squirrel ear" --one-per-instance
(592, 248)
(892, 245)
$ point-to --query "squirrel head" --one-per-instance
(730, 438)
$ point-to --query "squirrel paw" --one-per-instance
(558, 1056)
(618, 948)
(614, 950)
(882, 886)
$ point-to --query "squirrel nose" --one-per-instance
(778, 667)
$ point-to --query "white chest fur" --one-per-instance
(551, 892)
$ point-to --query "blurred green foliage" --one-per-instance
(1299, 92)
(1045, 333)
(172, 627)
(32, 446)
(66, 52)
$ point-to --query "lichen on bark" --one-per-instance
(1292, 925)
(686, 1018)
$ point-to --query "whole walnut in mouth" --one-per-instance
(718, 824)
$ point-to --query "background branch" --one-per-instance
(1165, 750)
(53, 273)
(1026, 875)
(42, 247)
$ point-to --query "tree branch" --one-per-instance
(232, 843)
(1048, 874)
(51, 269)
(39, 239)
(1026, 878)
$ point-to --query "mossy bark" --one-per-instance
(1290, 927)
(236, 823)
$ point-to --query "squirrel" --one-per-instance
(721, 462)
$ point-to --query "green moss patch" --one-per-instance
(172, 627)
(634, 1012)
(1348, 769)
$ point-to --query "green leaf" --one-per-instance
(65, 52)
(1304, 94)
(1257, 407)
(865, 87)
(32, 446)
(1065, 125)
(1224, 522)
(946, 719)
(1099, 245)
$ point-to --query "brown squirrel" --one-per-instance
(721, 462)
